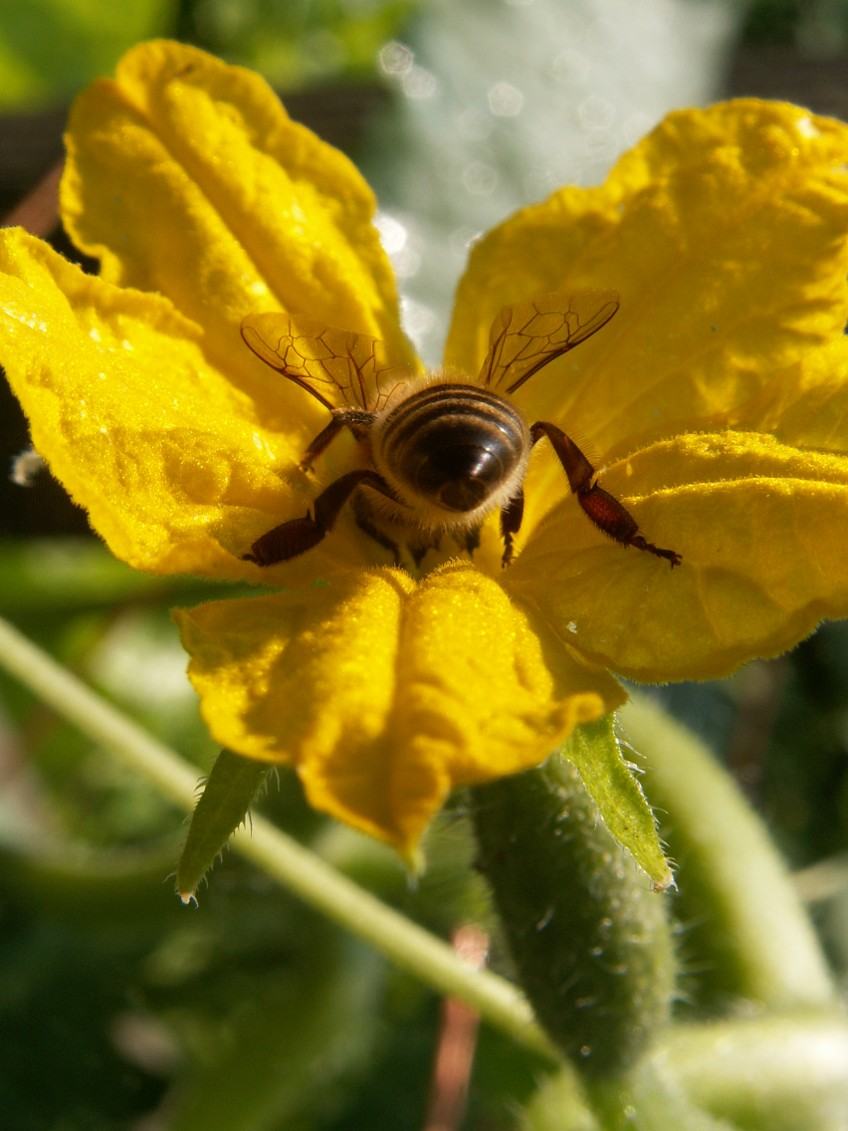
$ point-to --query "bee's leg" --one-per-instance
(298, 535)
(421, 543)
(366, 524)
(471, 540)
(607, 513)
(355, 419)
(511, 516)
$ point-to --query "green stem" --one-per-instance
(588, 936)
(650, 1101)
(822, 881)
(281, 857)
(779, 1073)
(747, 933)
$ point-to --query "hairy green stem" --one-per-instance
(587, 934)
(295, 867)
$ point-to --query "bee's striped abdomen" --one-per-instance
(451, 445)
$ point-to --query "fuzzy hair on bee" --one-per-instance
(440, 453)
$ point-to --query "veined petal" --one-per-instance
(384, 694)
(725, 233)
(762, 528)
(143, 432)
(225, 206)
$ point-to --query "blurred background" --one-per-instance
(119, 1008)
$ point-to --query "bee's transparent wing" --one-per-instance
(338, 367)
(526, 337)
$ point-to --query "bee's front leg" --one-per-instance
(357, 420)
(511, 516)
(365, 522)
(295, 537)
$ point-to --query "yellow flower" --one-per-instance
(715, 405)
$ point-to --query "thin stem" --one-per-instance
(792, 1071)
(749, 935)
(824, 880)
(38, 212)
(295, 867)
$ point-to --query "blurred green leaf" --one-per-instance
(51, 48)
(300, 41)
(66, 975)
(288, 1045)
(91, 887)
(43, 575)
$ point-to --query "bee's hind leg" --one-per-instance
(295, 537)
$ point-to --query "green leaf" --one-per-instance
(595, 751)
(290, 1051)
(295, 44)
(51, 48)
(230, 788)
(64, 575)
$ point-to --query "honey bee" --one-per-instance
(438, 454)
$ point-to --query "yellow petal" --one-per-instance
(724, 232)
(143, 432)
(185, 176)
(529, 254)
(762, 528)
(385, 694)
(807, 404)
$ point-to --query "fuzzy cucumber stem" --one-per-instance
(588, 936)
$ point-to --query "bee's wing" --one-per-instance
(338, 367)
(526, 337)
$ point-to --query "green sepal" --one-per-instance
(595, 751)
(589, 938)
(230, 789)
